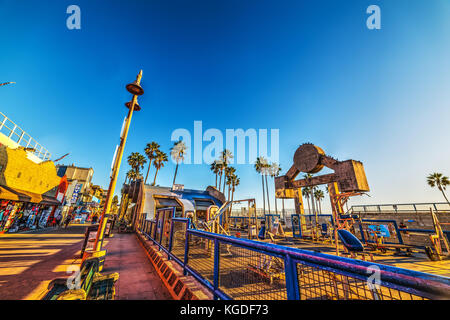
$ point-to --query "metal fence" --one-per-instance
(19, 136)
(242, 269)
(401, 208)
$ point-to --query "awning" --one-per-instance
(165, 202)
(49, 201)
(34, 197)
(7, 193)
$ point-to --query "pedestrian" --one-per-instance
(94, 219)
(58, 219)
(68, 218)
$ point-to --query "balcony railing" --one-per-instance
(17, 135)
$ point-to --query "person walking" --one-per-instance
(68, 219)
(58, 219)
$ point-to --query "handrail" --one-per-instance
(432, 286)
(39, 150)
(408, 281)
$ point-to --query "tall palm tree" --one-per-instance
(136, 161)
(220, 169)
(225, 158)
(259, 167)
(311, 192)
(177, 153)
(131, 175)
(319, 195)
(266, 171)
(150, 150)
(274, 171)
(306, 193)
(440, 181)
(235, 181)
(229, 173)
(215, 168)
(160, 158)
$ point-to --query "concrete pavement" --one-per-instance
(28, 262)
(138, 279)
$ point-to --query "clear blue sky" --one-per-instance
(309, 68)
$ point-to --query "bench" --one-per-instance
(352, 244)
(93, 285)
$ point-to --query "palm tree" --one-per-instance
(220, 169)
(137, 162)
(160, 158)
(275, 170)
(311, 192)
(150, 150)
(215, 168)
(229, 173)
(319, 195)
(235, 181)
(440, 181)
(224, 158)
(259, 167)
(306, 193)
(266, 172)
(131, 175)
(177, 153)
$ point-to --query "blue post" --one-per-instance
(399, 236)
(363, 239)
(186, 250)
(290, 270)
(171, 238)
(216, 266)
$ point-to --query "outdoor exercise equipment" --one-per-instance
(352, 244)
(436, 252)
(347, 180)
(320, 227)
(378, 236)
(249, 221)
(268, 267)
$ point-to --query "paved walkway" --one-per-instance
(138, 279)
(28, 262)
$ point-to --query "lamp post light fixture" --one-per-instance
(6, 83)
(136, 90)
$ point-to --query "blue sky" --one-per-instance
(311, 69)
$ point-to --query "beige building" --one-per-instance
(79, 181)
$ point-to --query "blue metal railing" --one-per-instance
(236, 268)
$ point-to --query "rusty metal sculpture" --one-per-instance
(347, 180)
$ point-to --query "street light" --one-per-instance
(4, 84)
(136, 90)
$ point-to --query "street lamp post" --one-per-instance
(135, 89)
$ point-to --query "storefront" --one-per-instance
(22, 211)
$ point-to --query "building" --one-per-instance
(79, 182)
(30, 189)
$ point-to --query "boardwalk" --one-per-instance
(28, 262)
(138, 279)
